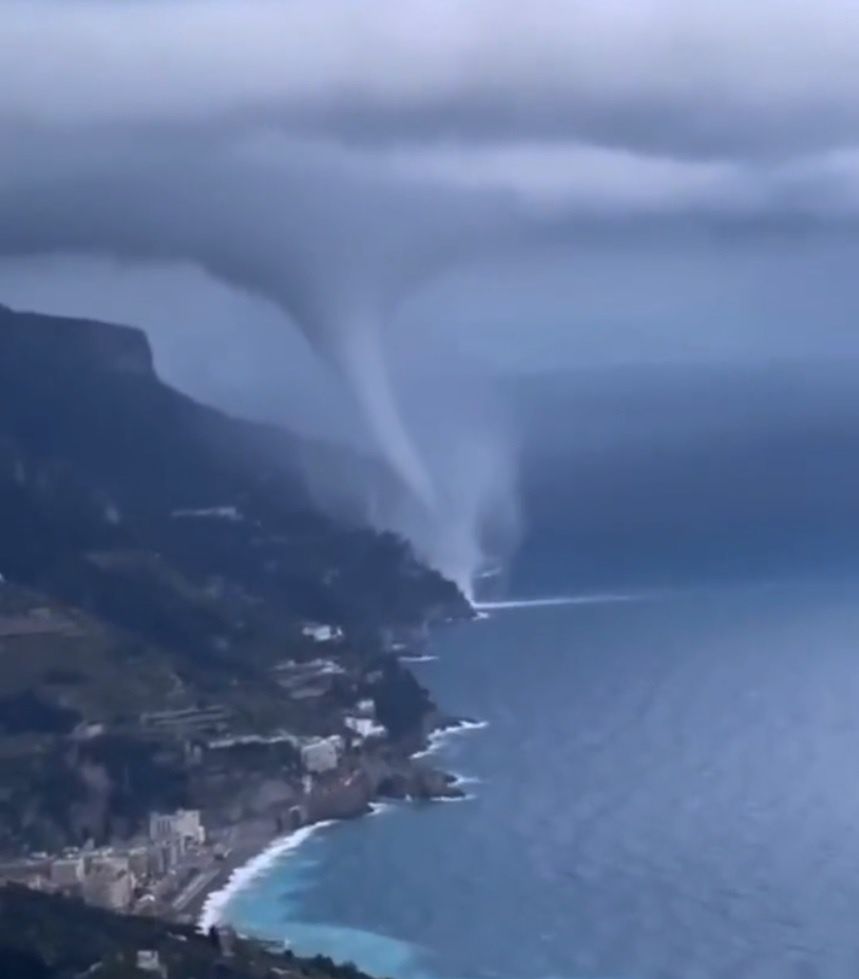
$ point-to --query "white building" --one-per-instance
(183, 826)
(364, 727)
(366, 707)
(321, 755)
(322, 633)
(68, 872)
(148, 961)
(86, 731)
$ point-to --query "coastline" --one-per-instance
(255, 855)
(254, 852)
(436, 739)
(242, 866)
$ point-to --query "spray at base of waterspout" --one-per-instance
(467, 588)
(471, 576)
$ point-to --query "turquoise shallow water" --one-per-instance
(273, 907)
(666, 789)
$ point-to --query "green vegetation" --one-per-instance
(159, 562)
(72, 662)
(48, 937)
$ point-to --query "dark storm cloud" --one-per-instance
(653, 73)
(570, 110)
(333, 157)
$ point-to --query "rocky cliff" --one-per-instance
(98, 456)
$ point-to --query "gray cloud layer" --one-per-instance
(334, 157)
(652, 72)
(571, 109)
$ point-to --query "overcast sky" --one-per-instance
(289, 191)
(653, 179)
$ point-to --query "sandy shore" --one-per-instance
(247, 844)
(253, 847)
(241, 872)
(244, 863)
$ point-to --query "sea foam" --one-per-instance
(437, 739)
(217, 901)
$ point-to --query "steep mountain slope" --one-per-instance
(157, 555)
(97, 455)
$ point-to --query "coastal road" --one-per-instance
(203, 880)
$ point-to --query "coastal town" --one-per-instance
(180, 856)
(145, 875)
(196, 660)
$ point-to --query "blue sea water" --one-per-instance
(667, 788)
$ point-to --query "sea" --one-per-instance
(665, 785)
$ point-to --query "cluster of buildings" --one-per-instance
(320, 755)
(362, 724)
(158, 865)
(307, 679)
(363, 728)
(187, 721)
(322, 633)
(119, 878)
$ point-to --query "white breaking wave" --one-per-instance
(380, 808)
(437, 739)
(463, 726)
(460, 780)
(217, 901)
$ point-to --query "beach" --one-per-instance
(240, 867)
(253, 849)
